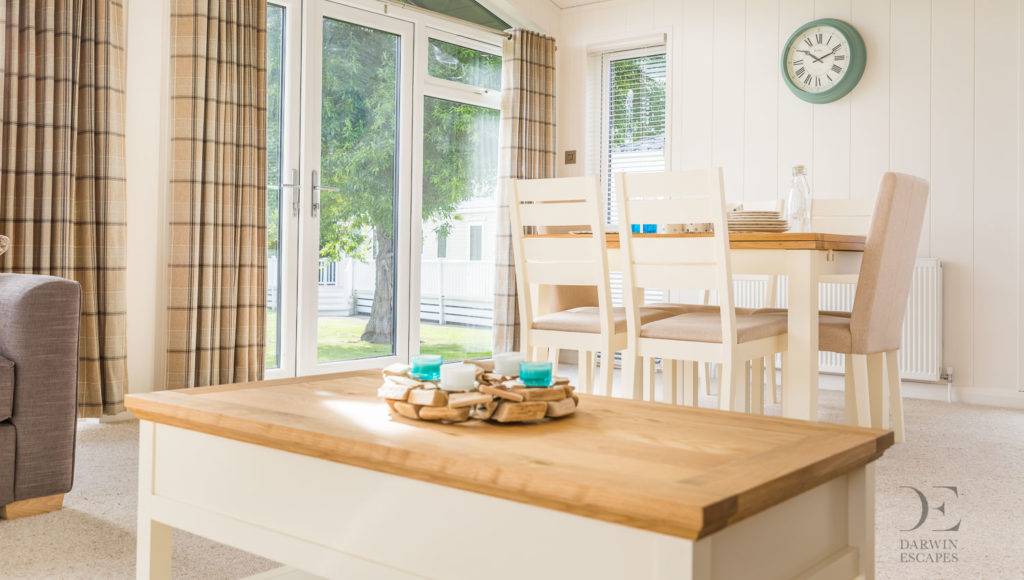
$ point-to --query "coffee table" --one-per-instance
(316, 474)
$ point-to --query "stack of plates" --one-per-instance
(757, 221)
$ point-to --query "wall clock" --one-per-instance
(823, 60)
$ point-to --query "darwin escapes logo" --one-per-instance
(932, 537)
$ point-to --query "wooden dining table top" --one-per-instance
(753, 240)
(669, 469)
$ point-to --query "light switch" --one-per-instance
(570, 157)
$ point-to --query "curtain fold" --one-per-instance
(62, 194)
(527, 152)
(217, 262)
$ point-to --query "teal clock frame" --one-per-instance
(858, 60)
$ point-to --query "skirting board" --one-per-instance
(1004, 398)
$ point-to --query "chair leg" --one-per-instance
(607, 370)
(668, 381)
(876, 392)
(691, 384)
(732, 383)
(553, 355)
(586, 379)
(861, 377)
(757, 386)
(773, 383)
(895, 395)
(648, 366)
(707, 379)
(849, 391)
(632, 375)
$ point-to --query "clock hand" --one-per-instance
(812, 56)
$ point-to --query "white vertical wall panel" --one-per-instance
(796, 117)
(761, 143)
(693, 87)
(911, 93)
(830, 175)
(869, 103)
(995, 190)
(728, 80)
(952, 175)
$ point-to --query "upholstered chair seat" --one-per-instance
(706, 326)
(588, 318)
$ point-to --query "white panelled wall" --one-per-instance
(940, 98)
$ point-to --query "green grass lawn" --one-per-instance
(338, 339)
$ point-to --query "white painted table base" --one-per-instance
(338, 521)
(805, 269)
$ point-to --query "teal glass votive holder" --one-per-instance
(427, 367)
(535, 374)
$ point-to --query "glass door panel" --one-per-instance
(460, 179)
(353, 292)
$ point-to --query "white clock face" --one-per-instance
(818, 59)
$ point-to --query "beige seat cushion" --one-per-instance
(587, 319)
(833, 329)
(706, 326)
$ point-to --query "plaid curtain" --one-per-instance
(527, 152)
(217, 301)
(62, 196)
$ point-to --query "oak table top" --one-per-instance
(755, 240)
(675, 470)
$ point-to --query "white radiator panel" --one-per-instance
(921, 354)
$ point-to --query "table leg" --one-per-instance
(153, 542)
(861, 518)
(800, 392)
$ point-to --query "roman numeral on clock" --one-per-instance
(807, 79)
(800, 72)
(819, 37)
(808, 41)
(836, 69)
(840, 57)
(798, 62)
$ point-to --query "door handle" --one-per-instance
(296, 197)
(317, 188)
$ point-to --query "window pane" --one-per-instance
(358, 153)
(275, 76)
(463, 65)
(475, 242)
(460, 176)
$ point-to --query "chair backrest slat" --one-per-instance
(842, 216)
(556, 214)
(653, 211)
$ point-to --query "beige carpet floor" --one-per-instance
(978, 450)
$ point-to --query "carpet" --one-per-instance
(977, 450)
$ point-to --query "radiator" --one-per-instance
(920, 357)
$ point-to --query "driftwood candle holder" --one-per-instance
(497, 398)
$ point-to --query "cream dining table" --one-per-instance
(804, 258)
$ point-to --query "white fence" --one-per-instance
(451, 291)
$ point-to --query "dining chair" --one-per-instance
(567, 260)
(871, 333)
(716, 334)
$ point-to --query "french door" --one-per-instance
(389, 153)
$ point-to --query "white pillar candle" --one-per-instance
(458, 377)
(508, 363)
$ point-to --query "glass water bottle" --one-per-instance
(798, 206)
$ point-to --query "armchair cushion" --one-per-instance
(7, 451)
(6, 389)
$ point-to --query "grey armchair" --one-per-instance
(39, 322)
